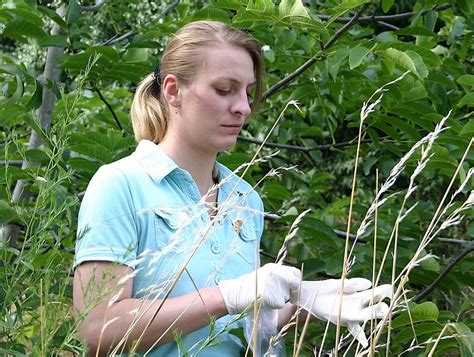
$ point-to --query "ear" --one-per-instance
(170, 90)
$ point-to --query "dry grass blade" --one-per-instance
(365, 111)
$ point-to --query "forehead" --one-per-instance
(227, 62)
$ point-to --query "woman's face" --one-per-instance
(215, 105)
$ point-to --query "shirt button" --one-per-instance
(216, 248)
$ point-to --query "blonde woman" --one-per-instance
(168, 238)
(144, 216)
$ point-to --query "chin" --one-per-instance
(226, 144)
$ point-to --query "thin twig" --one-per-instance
(301, 148)
(387, 18)
(429, 289)
(389, 26)
(346, 27)
(96, 89)
(16, 163)
(288, 79)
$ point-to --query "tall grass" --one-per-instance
(37, 316)
(36, 313)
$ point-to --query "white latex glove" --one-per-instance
(276, 285)
(322, 298)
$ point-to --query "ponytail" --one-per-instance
(149, 115)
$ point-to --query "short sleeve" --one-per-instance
(107, 228)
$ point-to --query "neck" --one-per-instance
(200, 165)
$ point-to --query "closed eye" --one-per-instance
(222, 92)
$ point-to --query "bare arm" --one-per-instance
(112, 316)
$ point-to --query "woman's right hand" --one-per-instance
(273, 285)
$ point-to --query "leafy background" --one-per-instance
(68, 72)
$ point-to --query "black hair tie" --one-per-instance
(157, 79)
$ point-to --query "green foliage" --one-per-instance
(90, 127)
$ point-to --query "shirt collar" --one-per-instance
(159, 165)
(154, 160)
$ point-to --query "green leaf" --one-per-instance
(408, 60)
(37, 97)
(37, 156)
(33, 123)
(357, 55)
(421, 69)
(18, 92)
(53, 15)
(276, 191)
(93, 151)
(135, 55)
(416, 31)
(289, 38)
(53, 41)
(468, 129)
(73, 12)
(343, 7)
(266, 7)
(336, 60)
(387, 4)
(429, 57)
(430, 264)
(233, 160)
(468, 100)
(84, 166)
(422, 330)
(22, 29)
(313, 266)
(293, 8)
(6, 212)
(467, 79)
(317, 230)
(465, 6)
(426, 311)
(465, 338)
(129, 71)
(8, 352)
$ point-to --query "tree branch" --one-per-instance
(165, 12)
(346, 27)
(301, 148)
(387, 25)
(386, 18)
(340, 234)
(279, 85)
(109, 107)
(16, 163)
(93, 8)
(429, 289)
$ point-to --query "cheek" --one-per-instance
(209, 100)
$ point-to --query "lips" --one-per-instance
(232, 128)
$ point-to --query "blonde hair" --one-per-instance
(182, 57)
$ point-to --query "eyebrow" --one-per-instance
(233, 80)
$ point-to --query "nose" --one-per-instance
(241, 105)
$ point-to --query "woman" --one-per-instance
(168, 238)
(168, 221)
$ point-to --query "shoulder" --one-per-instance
(113, 183)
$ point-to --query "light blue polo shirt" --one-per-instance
(147, 213)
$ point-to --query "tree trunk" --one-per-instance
(9, 234)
